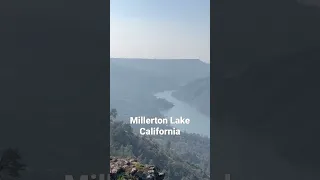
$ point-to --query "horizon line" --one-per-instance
(162, 59)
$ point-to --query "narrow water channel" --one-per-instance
(199, 123)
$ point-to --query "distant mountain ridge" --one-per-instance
(180, 70)
(133, 82)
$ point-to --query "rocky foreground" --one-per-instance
(131, 169)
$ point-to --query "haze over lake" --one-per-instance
(199, 123)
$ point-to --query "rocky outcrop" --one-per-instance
(132, 169)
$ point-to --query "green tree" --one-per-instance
(113, 114)
(128, 151)
(127, 128)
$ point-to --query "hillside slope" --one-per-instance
(197, 94)
(125, 143)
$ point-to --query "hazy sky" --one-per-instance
(160, 29)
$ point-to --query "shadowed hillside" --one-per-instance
(197, 94)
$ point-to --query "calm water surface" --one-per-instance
(199, 123)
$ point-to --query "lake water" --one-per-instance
(199, 123)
